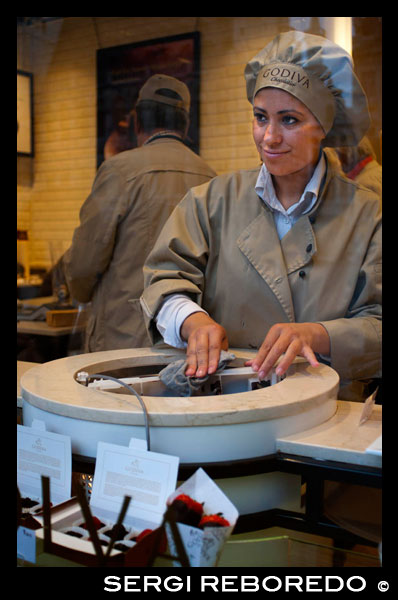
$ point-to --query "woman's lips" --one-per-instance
(274, 153)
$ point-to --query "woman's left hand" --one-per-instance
(290, 339)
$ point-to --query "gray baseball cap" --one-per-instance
(151, 90)
(320, 74)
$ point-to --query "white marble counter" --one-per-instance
(22, 367)
(202, 429)
(52, 387)
(341, 438)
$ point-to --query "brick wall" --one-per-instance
(62, 56)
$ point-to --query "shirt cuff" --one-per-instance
(173, 312)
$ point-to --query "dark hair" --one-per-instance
(154, 115)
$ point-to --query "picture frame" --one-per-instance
(121, 72)
(25, 145)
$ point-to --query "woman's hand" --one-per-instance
(206, 339)
(290, 339)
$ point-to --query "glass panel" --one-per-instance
(84, 75)
(286, 551)
(61, 55)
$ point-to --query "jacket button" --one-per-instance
(302, 274)
(309, 248)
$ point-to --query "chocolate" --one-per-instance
(74, 534)
(120, 531)
(121, 547)
(28, 502)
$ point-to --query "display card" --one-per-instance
(147, 477)
(41, 452)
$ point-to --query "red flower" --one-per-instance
(213, 521)
(187, 510)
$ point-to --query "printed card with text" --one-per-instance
(148, 478)
(41, 452)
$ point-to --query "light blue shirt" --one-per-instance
(178, 307)
(285, 219)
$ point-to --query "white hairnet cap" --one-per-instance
(320, 74)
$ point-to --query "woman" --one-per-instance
(285, 258)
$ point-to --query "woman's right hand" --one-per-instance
(206, 339)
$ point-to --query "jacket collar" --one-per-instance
(260, 244)
(274, 259)
(265, 189)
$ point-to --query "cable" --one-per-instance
(136, 394)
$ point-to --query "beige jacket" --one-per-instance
(133, 194)
(220, 246)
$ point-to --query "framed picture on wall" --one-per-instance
(121, 72)
(24, 113)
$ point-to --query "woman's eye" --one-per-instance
(289, 120)
(260, 118)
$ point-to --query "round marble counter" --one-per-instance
(53, 387)
(50, 391)
(197, 429)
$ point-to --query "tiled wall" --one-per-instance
(62, 56)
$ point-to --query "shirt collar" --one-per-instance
(162, 134)
(265, 189)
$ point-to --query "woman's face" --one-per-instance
(286, 133)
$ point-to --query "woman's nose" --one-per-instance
(272, 134)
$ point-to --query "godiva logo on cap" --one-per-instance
(294, 80)
(285, 75)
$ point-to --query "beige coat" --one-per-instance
(133, 194)
(220, 246)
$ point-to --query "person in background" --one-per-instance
(284, 258)
(359, 163)
(133, 194)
